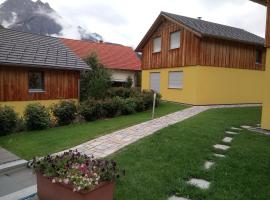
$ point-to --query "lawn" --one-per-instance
(40, 143)
(158, 166)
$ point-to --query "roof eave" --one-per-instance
(44, 66)
(262, 2)
(235, 40)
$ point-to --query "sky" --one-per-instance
(126, 22)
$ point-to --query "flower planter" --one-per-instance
(57, 191)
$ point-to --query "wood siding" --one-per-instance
(198, 51)
(59, 84)
(220, 53)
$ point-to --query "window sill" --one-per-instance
(174, 49)
(158, 52)
(171, 88)
(36, 91)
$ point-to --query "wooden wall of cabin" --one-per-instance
(58, 84)
(220, 53)
(198, 51)
(187, 54)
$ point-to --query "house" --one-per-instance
(121, 60)
(197, 62)
(266, 100)
(35, 68)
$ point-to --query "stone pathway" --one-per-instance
(110, 143)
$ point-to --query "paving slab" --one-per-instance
(246, 126)
(177, 198)
(236, 129)
(227, 139)
(221, 147)
(208, 164)
(15, 180)
(219, 155)
(6, 156)
(232, 133)
(200, 183)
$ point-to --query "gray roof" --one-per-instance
(26, 49)
(216, 30)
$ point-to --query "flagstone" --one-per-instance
(200, 183)
(227, 139)
(221, 147)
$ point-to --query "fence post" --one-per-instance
(154, 105)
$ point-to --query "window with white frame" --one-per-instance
(155, 81)
(175, 40)
(157, 45)
(176, 80)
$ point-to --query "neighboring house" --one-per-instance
(198, 62)
(266, 100)
(35, 68)
(121, 60)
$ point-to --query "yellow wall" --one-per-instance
(19, 106)
(185, 95)
(266, 103)
(211, 85)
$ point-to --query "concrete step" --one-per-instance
(25, 193)
(12, 165)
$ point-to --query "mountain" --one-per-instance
(39, 18)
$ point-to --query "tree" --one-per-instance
(129, 82)
(96, 81)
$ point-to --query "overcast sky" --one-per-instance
(126, 22)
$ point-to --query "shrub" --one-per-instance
(37, 117)
(128, 106)
(79, 171)
(91, 110)
(65, 112)
(139, 104)
(95, 82)
(8, 120)
(120, 92)
(112, 106)
(148, 98)
(129, 82)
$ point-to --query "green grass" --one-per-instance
(158, 166)
(40, 143)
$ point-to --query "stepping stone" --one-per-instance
(219, 155)
(227, 140)
(208, 165)
(236, 129)
(231, 133)
(221, 147)
(200, 183)
(177, 198)
(246, 127)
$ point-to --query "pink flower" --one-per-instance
(66, 181)
(53, 180)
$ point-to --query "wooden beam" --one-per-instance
(267, 30)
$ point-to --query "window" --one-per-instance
(175, 80)
(175, 40)
(157, 45)
(155, 81)
(259, 56)
(36, 81)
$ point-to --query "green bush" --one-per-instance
(8, 120)
(148, 98)
(112, 106)
(120, 92)
(91, 110)
(129, 82)
(128, 107)
(37, 117)
(65, 112)
(139, 104)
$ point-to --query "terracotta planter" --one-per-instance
(56, 191)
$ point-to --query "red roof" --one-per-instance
(113, 56)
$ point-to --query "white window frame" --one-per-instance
(157, 44)
(175, 40)
(173, 77)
